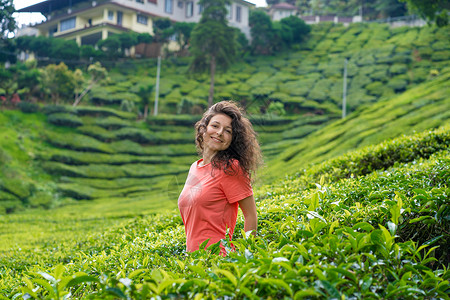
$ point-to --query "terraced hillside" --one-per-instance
(383, 62)
(426, 106)
(378, 235)
(86, 153)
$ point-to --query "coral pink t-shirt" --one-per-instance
(209, 203)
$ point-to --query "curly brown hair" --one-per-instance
(244, 146)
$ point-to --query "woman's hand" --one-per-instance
(248, 208)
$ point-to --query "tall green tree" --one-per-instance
(7, 25)
(213, 42)
(431, 10)
(7, 21)
(262, 32)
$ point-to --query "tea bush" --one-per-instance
(326, 238)
(64, 119)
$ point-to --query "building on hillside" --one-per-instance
(282, 10)
(88, 21)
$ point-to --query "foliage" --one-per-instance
(298, 27)
(213, 42)
(330, 238)
(183, 31)
(7, 21)
(261, 31)
(28, 107)
(97, 73)
(433, 10)
(59, 82)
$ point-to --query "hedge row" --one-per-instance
(106, 171)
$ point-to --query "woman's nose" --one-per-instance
(220, 131)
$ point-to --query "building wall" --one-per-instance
(281, 14)
(100, 15)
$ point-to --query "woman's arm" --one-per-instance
(248, 208)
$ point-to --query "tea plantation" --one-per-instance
(348, 208)
(380, 235)
(382, 62)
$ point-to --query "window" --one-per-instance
(228, 6)
(119, 18)
(110, 15)
(142, 19)
(189, 9)
(168, 6)
(200, 9)
(238, 13)
(180, 4)
(68, 24)
(140, 1)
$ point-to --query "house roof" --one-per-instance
(45, 7)
(284, 5)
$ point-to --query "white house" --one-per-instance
(88, 21)
(282, 10)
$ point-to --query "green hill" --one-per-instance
(362, 213)
(383, 62)
(423, 107)
(380, 235)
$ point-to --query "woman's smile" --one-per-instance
(218, 134)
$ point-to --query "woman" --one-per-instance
(219, 182)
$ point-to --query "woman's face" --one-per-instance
(218, 133)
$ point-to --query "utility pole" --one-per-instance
(344, 93)
(158, 71)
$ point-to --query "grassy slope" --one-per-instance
(423, 107)
(340, 231)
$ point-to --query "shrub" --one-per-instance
(112, 122)
(440, 56)
(51, 109)
(375, 88)
(64, 119)
(398, 69)
(75, 141)
(397, 84)
(28, 107)
(382, 156)
(103, 112)
(97, 132)
(16, 187)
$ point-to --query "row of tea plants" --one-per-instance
(380, 230)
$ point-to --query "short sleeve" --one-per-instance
(236, 187)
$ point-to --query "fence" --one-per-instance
(411, 21)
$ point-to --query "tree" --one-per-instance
(89, 53)
(64, 50)
(59, 82)
(127, 40)
(162, 30)
(8, 82)
(298, 27)
(29, 79)
(213, 42)
(144, 92)
(431, 10)
(183, 32)
(7, 21)
(262, 32)
(110, 46)
(97, 73)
